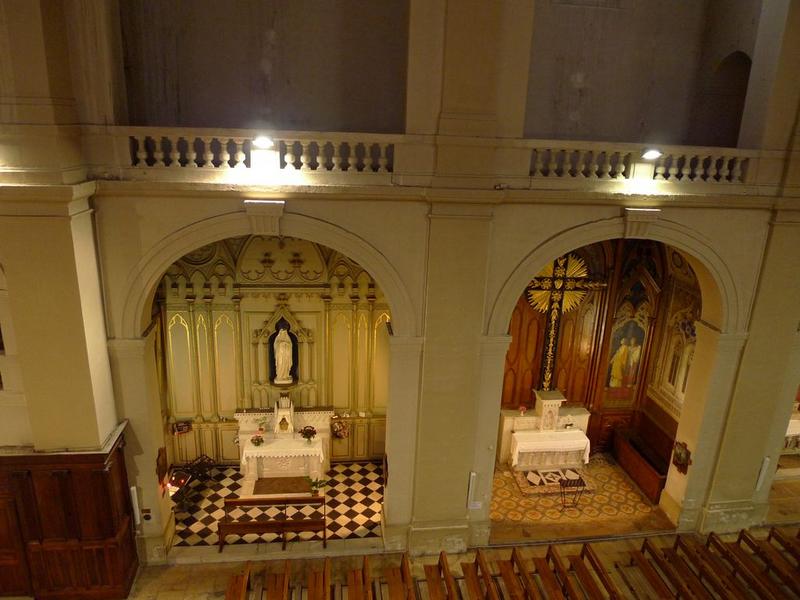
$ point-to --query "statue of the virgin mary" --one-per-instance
(282, 348)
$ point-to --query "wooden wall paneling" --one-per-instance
(228, 450)
(362, 400)
(23, 490)
(576, 350)
(377, 438)
(380, 363)
(97, 515)
(50, 503)
(179, 367)
(341, 345)
(14, 574)
(208, 440)
(360, 433)
(524, 356)
(202, 361)
(342, 448)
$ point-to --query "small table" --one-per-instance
(571, 492)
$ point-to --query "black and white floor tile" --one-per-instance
(354, 499)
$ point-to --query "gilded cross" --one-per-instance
(558, 288)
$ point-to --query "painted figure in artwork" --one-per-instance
(618, 363)
(282, 347)
(632, 365)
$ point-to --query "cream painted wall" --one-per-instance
(305, 65)
(622, 74)
(15, 426)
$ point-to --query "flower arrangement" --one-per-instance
(308, 433)
(522, 409)
(340, 429)
(257, 440)
(316, 484)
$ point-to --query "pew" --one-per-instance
(789, 544)
(359, 583)
(319, 583)
(773, 560)
(588, 554)
(440, 581)
(238, 585)
(478, 579)
(281, 525)
(551, 585)
(667, 570)
(399, 581)
(276, 584)
(744, 566)
(652, 577)
(527, 579)
(561, 573)
(712, 569)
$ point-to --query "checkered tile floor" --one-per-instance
(354, 499)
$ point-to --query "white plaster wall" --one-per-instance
(337, 65)
(621, 74)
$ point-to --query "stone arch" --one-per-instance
(710, 383)
(144, 277)
(721, 306)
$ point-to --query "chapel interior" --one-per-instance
(318, 279)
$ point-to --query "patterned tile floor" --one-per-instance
(612, 504)
(354, 499)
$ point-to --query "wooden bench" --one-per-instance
(789, 544)
(554, 558)
(774, 560)
(711, 569)
(652, 577)
(526, 576)
(359, 583)
(667, 570)
(399, 580)
(440, 581)
(587, 580)
(280, 525)
(743, 564)
(478, 579)
(642, 466)
(319, 583)
(238, 585)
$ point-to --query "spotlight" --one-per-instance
(651, 154)
(262, 142)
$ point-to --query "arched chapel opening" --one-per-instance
(259, 338)
(595, 384)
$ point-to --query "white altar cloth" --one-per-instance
(793, 428)
(548, 441)
(283, 457)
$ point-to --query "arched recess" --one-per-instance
(134, 370)
(721, 306)
(710, 382)
(145, 275)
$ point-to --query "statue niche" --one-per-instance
(283, 355)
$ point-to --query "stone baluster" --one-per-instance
(660, 170)
(352, 159)
(552, 163)
(238, 155)
(721, 168)
(158, 152)
(593, 166)
(369, 163)
(736, 170)
(141, 151)
(175, 153)
(290, 155)
(693, 169)
(224, 155)
(305, 156)
(605, 166)
(685, 172)
(619, 168)
(191, 155)
(673, 168)
(336, 156)
(705, 169)
(208, 154)
(538, 165)
(383, 158)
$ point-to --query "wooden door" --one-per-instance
(14, 574)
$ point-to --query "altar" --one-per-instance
(283, 457)
(564, 449)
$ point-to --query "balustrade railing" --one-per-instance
(693, 166)
(326, 153)
(554, 162)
